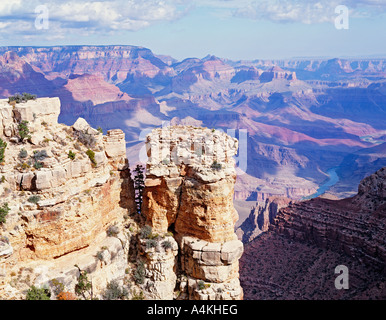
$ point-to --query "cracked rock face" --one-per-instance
(190, 177)
(60, 206)
(190, 180)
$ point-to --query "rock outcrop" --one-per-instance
(309, 239)
(260, 217)
(68, 190)
(190, 177)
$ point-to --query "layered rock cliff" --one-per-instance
(188, 194)
(296, 258)
(68, 190)
(260, 218)
(68, 207)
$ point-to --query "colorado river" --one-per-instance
(333, 179)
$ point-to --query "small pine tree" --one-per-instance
(84, 286)
(4, 210)
(139, 185)
(24, 132)
(3, 146)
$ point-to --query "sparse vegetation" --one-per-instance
(40, 155)
(139, 273)
(114, 291)
(100, 130)
(4, 210)
(86, 139)
(151, 243)
(24, 132)
(71, 155)
(23, 153)
(112, 231)
(35, 293)
(201, 285)
(91, 156)
(84, 287)
(38, 165)
(137, 296)
(19, 98)
(167, 244)
(3, 146)
(34, 199)
(99, 255)
(216, 166)
(145, 232)
(57, 286)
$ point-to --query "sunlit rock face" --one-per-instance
(190, 177)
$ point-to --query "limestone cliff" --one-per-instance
(189, 185)
(67, 206)
(68, 189)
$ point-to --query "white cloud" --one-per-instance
(86, 17)
(306, 11)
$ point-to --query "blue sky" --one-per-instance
(234, 29)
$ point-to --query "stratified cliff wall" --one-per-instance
(296, 258)
(65, 201)
(189, 186)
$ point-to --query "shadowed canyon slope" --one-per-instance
(302, 116)
(296, 258)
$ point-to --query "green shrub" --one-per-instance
(216, 165)
(38, 165)
(201, 285)
(87, 139)
(139, 273)
(84, 286)
(91, 155)
(38, 294)
(112, 231)
(137, 296)
(24, 132)
(40, 155)
(3, 146)
(19, 98)
(34, 199)
(4, 210)
(23, 153)
(114, 291)
(167, 244)
(71, 155)
(151, 243)
(145, 232)
(100, 130)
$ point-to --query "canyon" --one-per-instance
(69, 202)
(302, 116)
(261, 136)
(307, 240)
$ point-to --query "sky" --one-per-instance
(233, 29)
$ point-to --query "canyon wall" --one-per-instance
(69, 205)
(68, 190)
(296, 258)
(188, 194)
